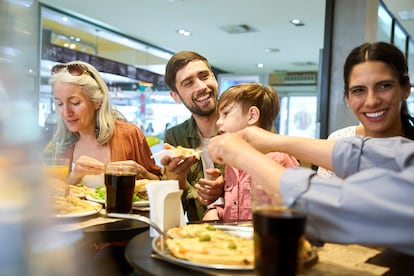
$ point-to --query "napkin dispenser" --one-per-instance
(166, 209)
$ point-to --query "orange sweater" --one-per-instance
(127, 143)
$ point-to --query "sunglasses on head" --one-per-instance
(75, 69)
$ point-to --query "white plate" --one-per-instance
(139, 203)
(242, 231)
(91, 198)
(82, 214)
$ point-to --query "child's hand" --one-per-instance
(211, 214)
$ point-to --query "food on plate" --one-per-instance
(56, 186)
(185, 152)
(79, 190)
(140, 189)
(204, 244)
(71, 204)
(306, 252)
(140, 184)
(178, 151)
(100, 195)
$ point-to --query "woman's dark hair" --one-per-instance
(395, 59)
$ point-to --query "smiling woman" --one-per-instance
(376, 89)
(88, 126)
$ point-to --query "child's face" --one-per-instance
(232, 118)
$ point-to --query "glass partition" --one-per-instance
(389, 30)
(384, 25)
(400, 38)
(132, 70)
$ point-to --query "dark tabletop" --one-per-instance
(101, 248)
(140, 255)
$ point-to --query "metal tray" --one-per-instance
(242, 231)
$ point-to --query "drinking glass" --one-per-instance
(56, 167)
(120, 184)
(278, 234)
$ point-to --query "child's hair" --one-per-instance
(265, 98)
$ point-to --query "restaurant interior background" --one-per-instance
(133, 68)
(134, 71)
(137, 90)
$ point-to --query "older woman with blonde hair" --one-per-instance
(90, 132)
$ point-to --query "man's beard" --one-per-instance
(200, 112)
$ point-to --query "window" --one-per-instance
(400, 38)
(298, 116)
(384, 24)
(133, 71)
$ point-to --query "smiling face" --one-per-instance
(75, 108)
(197, 88)
(375, 96)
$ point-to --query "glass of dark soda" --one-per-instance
(119, 184)
(278, 235)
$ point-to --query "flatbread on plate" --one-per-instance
(204, 244)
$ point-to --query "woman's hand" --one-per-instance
(261, 139)
(228, 149)
(85, 165)
(142, 172)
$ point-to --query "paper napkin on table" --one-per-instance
(166, 209)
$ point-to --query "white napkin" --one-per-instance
(166, 209)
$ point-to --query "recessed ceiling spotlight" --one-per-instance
(259, 65)
(184, 32)
(297, 22)
(272, 50)
(406, 14)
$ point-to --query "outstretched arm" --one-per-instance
(310, 150)
(233, 150)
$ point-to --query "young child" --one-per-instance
(242, 105)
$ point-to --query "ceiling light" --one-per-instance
(260, 65)
(238, 29)
(272, 50)
(65, 19)
(297, 22)
(184, 32)
(406, 15)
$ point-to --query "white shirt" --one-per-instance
(338, 134)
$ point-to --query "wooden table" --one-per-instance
(140, 255)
